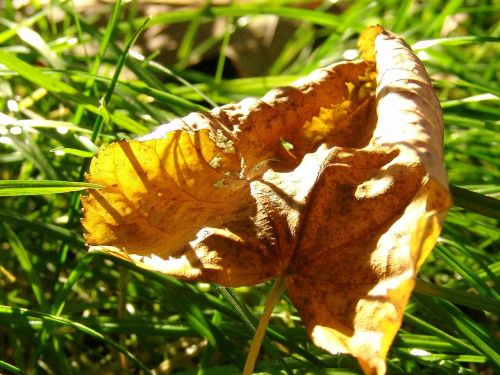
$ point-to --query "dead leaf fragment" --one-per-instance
(346, 217)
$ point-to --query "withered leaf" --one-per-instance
(346, 217)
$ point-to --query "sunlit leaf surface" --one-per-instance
(347, 215)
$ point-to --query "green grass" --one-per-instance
(68, 84)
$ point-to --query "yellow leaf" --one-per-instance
(346, 217)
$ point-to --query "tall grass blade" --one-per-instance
(14, 188)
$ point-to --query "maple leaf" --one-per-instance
(346, 217)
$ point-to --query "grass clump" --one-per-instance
(71, 81)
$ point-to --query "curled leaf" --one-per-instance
(346, 216)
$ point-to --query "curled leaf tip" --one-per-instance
(366, 42)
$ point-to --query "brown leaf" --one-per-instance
(347, 216)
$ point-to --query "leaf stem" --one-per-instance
(276, 292)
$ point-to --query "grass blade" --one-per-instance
(476, 202)
(12, 188)
(459, 265)
(461, 298)
(41, 123)
(26, 264)
(35, 75)
(119, 65)
(470, 330)
(73, 151)
(42, 228)
(436, 332)
(7, 312)
(12, 369)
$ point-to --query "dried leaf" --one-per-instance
(346, 217)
